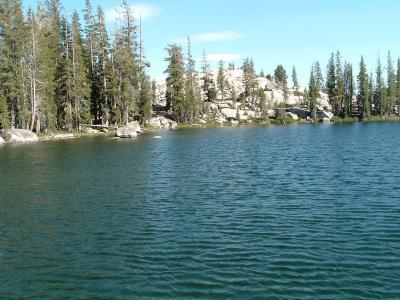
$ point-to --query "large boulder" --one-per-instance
(271, 113)
(301, 113)
(163, 123)
(292, 116)
(245, 115)
(155, 122)
(229, 113)
(18, 136)
(136, 126)
(325, 120)
(1, 140)
(167, 123)
(173, 125)
(225, 104)
(324, 115)
(126, 132)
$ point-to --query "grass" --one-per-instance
(344, 120)
(391, 118)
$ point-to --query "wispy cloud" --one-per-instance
(143, 10)
(221, 36)
(222, 56)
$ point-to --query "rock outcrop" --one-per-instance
(229, 113)
(136, 126)
(324, 115)
(126, 133)
(131, 130)
(225, 109)
(292, 116)
(300, 112)
(18, 136)
(163, 123)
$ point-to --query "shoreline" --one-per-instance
(64, 135)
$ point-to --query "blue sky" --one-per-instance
(287, 32)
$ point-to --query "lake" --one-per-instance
(278, 212)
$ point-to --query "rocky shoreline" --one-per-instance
(133, 129)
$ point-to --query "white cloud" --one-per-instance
(221, 36)
(222, 56)
(146, 11)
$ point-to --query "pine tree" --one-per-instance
(91, 49)
(208, 86)
(348, 89)
(50, 60)
(64, 77)
(13, 36)
(4, 113)
(363, 96)
(127, 69)
(192, 91)
(146, 99)
(313, 94)
(33, 68)
(391, 86)
(80, 92)
(280, 75)
(370, 106)
(398, 83)
(175, 81)
(249, 79)
(102, 74)
(90, 31)
(145, 87)
(294, 78)
(331, 80)
(340, 84)
(262, 103)
(319, 79)
(380, 90)
(221, 80)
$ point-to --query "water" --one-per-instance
(291, 212)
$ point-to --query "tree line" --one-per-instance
(54, 74)
(363, 94)
(57, 74)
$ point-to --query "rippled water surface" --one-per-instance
(294, 212)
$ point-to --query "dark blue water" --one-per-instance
(294, 212)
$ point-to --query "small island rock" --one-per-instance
(126, 133)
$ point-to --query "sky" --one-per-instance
(287, 32)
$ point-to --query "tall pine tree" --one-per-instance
(380, 91)
(363, 96)
(331, 80)
(348, 90)
(175, 81)
(13, 37)
(391, 86)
